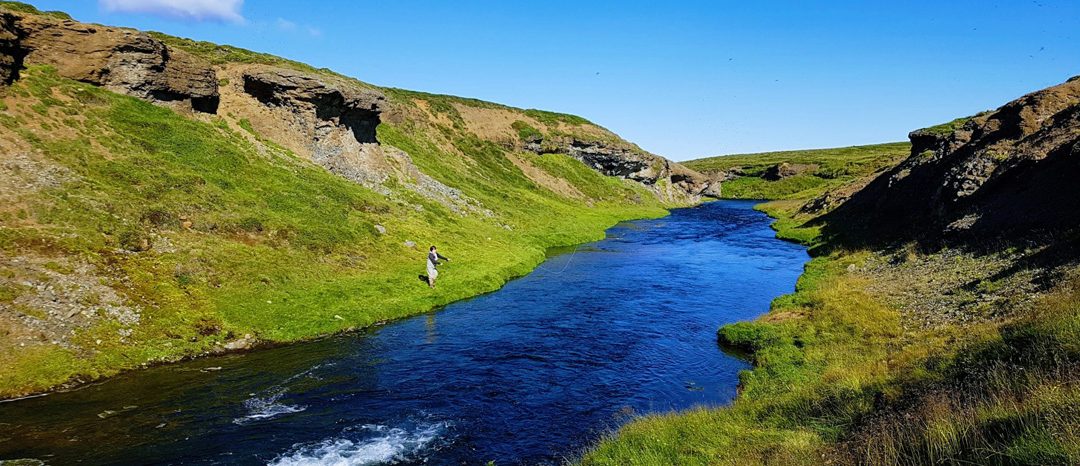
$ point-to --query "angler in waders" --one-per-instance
(433, 259)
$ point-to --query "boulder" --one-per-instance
(786, 170)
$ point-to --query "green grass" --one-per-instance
(278, 248)
(835, 168)
(553, 118)
(21, 7)
(950, 127)
(526, 132)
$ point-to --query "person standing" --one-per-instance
(433, 259)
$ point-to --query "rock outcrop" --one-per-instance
(787, 170)
(327, 104)
(121, 60)
(333, 122)
(630, 163)
(1007, 173)
(11, 51)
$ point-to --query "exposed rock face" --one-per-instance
(330, 104)
(1009, 172)
(11, 50)
(334, 122)
(120, 60)
(635, 165)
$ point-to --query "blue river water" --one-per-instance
(530, 374)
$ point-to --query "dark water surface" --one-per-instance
(529, 374)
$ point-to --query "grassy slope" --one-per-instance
(277, 248)
(838, 379)
(836, 167)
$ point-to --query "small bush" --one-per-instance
(160, 218)
(527, 133)
(251, 225)
(134, 240)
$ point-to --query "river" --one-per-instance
(530, 374)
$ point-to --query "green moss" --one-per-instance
(526, 132)
(948, 128)
(245, 124)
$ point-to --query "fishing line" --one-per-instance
(568, 261)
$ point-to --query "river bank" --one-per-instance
(854, 367)
(519, 375)
(152, 236)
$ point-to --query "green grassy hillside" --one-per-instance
(138, 235)
(825, 169)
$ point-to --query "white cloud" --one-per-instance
(197, 10)
(285, 25)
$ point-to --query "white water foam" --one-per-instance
(266, 407)
(365, 445)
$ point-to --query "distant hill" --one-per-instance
(798, 174)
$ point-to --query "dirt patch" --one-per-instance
(546, 180)
(438, 118)
(493, 124)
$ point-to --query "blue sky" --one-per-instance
(683, 79)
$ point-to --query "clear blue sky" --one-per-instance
(683, 79)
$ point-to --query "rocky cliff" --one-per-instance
(1007, 173)
(628, 162)
(122, 60)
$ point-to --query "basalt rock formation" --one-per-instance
(630, 163)
(121, 60)
(333, 123)
(1009, 173)
(329, 104)
(11, 52)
